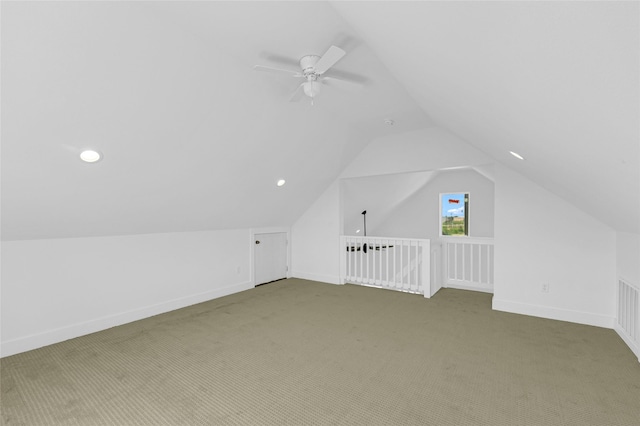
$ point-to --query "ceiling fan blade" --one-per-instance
(279, 70)
(345, 75)
(281, 60)
(297, 94)
(342, 84)
(329, 59)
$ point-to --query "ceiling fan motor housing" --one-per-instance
(308, 64)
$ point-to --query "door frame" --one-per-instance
(252, 255)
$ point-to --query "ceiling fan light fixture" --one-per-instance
(311, 88)
(312, 70)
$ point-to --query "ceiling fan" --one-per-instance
(312, 70)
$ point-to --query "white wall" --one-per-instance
(540, 238)
(316, 238)
(57, 289)
(406, 205)
(426, 149)
(628, 257)
(315, 235)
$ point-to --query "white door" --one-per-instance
(270, 257)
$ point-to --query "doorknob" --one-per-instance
(257, 241)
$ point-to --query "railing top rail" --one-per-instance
(467, 240)
(629, 283)
(369, 237)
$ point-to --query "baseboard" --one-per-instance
(553, 313)
(34, 341)
(632, 345)
(470, 287)
(316, 277)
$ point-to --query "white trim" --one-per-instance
(634, 348)
(418, 279)
(268, 230)
(331, 279)
(468, 234)
(486, 263)
(629, 282)
(467, 239)
(34, 341)
(578, 317)
(484, 288)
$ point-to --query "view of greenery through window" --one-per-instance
(454, 219)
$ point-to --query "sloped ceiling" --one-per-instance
(194, 139)
(557, 82)
(380, 194)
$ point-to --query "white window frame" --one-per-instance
(466, 213)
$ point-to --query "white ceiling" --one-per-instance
(194, 139)
(557, 82)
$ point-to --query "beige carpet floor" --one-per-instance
(297, 352)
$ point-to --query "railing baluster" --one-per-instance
(480, 250)
(464, 261)
(468, 263)
(402, 266)
(348, 272)
(417, 266)
(634, 308)
(416, 261)
(372, 255)
(361, 261)
(455, 250)
(487, 263)
(408, 266)
(378, 253)
(403, 270)
(628, 311)
(387, 263)
(352, 258)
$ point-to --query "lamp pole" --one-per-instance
(364, 213)
(364, 246)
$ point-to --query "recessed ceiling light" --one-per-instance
(357, 231)
(90, 156)
(281, 182)
(518, 156)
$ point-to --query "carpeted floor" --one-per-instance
(299, 352)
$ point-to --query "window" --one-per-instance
(454, 217)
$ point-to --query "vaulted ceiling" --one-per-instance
(193, 138)
(557, 82)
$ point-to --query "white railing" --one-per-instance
(393, 263)
(468, 263)
(436, 268)
(628, 315)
